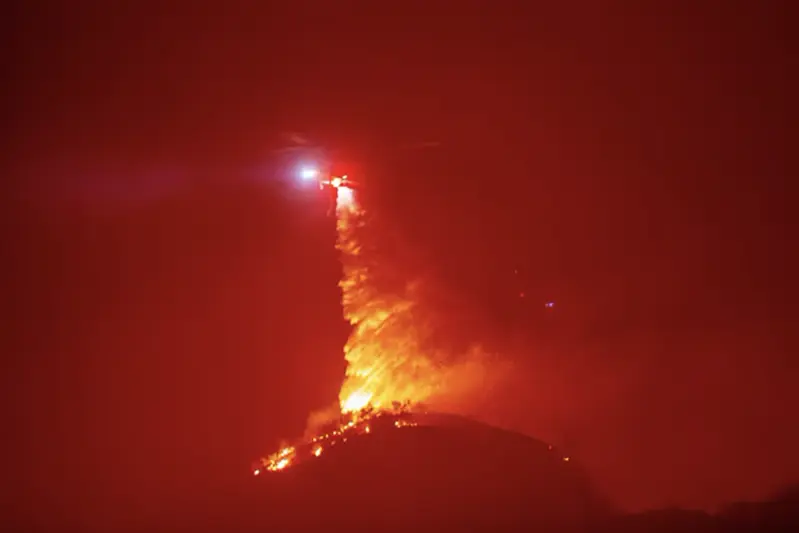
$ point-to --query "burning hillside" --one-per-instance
(389, 372)
(352, 425)
(423, 471)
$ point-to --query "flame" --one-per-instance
(359, 425)
(356, 401)
(384, 361)
(387, 371)
(280, 460)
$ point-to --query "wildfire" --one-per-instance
(384, 362)
(279, 460)
(358, 425)
(387, 372)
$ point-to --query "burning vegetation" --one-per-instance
(351, 425)
(389, 373)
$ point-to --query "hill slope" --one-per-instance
(446, 471)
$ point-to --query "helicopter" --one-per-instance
(328, 181)
(337, 186)
(320, 163)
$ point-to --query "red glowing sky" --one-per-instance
(630, 166)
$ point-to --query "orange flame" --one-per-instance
(384, 361)
(386, 365)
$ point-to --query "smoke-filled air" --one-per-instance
(392, 365)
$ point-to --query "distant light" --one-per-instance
(549, 305)
(309, 173)
(256, 472)
(335, 182)
(567, 459)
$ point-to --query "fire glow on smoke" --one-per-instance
(387, 372)
(385, 363)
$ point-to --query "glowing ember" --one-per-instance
(278, 461)
(355, 427)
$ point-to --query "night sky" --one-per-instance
(174, 308)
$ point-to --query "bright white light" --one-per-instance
(309, 173)
(360, 399)
(344, 200)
